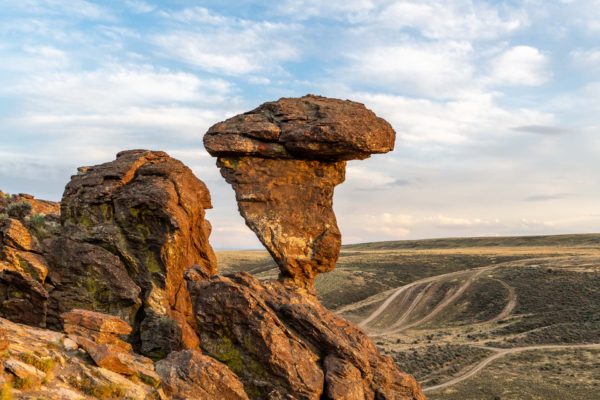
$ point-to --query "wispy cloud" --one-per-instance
(548, 197)
(225, 45)
(543, 130)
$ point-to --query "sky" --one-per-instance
(496, 104)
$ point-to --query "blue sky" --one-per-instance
(496, 103)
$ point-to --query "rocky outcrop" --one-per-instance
(36, 206)
(188, 374)
(130, 228)
(23, 271)
(99, 334)
(283, 160)
(43, 364)
(285, 344)
(101, 329)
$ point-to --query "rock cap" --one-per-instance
(309, 127)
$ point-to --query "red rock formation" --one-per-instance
(45, 207)
(284, 344)
(283, 160)
(131, 227)
(23, 271)
(188, 374)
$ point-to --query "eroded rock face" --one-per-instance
(281, 343)
(130, 228)
(23, 270)
(189, 375)
(283, 160)
(288, 203)
(67, 373)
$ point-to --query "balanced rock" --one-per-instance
(130, 228)
(283, 344)
(283, 160)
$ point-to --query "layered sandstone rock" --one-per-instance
(130, 228)
(283, 160)
(284, 344)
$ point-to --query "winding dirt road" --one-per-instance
(510, 306)
(399, 325)
(501, 353)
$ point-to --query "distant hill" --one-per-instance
(583, 240)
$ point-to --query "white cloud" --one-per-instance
(118, 107)
(140, 6)
(520, 65)
(419, 121)
(438, 70)
(364, 178)
(117, 86)
(331, 9)
(227, 45)
(74, 8)
(587, 58)
(458, 19)
(197, 15)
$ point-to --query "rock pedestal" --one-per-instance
(283, 160)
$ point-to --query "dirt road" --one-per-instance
(400, 324)
(501, 353)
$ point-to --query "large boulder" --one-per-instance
(309, 127)
(284, 344)
(283, 160)
(130, 228)
(190, 375)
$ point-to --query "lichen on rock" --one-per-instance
(130, 228)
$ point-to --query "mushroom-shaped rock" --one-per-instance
(283, 160)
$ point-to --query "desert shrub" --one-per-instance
(39, 225)
(98, 389)
(19, 210)
(6, 392)
(562, 307)
(27, 383)
(436, 361)
(45, 364)
(37, 221)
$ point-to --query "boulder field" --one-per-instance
(115, 293)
